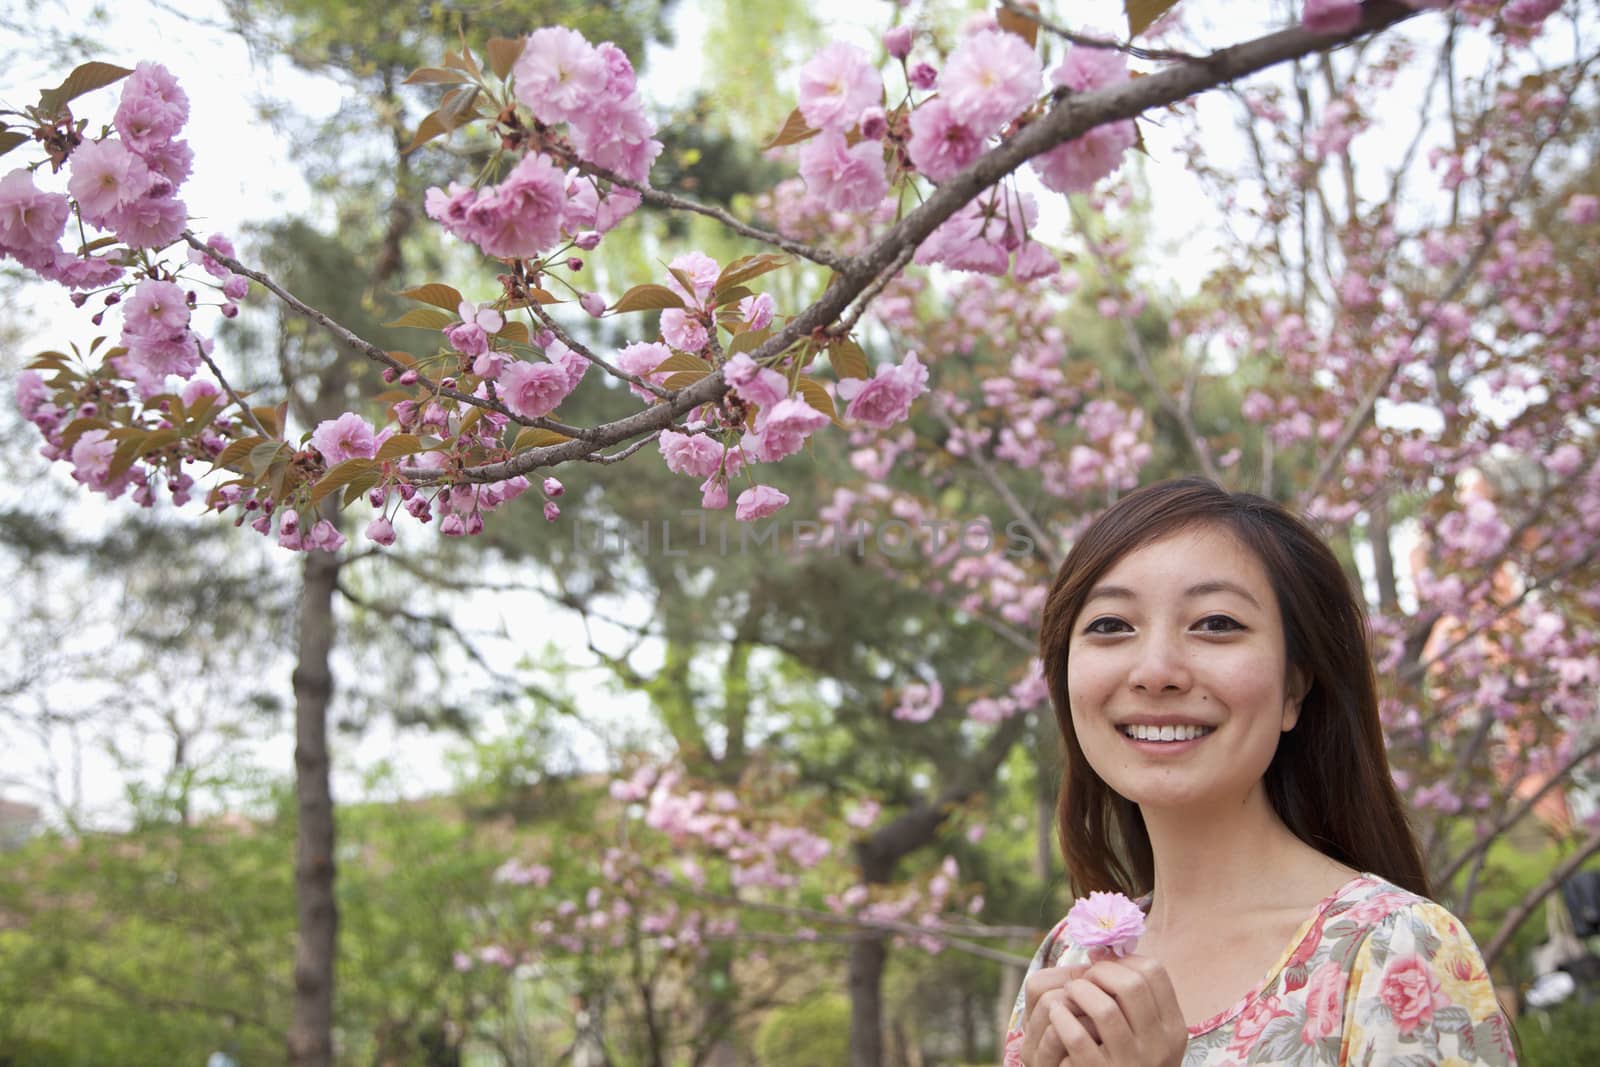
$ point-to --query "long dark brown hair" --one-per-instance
(1329, 781)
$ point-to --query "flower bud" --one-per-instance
(380, 531)
(897, 39)
(230, 310)
(553, 487)
(923, 76)
(79, 299)
(874, 124)
(390, 374)
(574, 263)
(112, 299)
(551, 512)
(593, 303)
(408, 378)
(588, 240)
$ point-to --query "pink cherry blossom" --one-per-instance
(682, 330)
(559, 74)
(918, 701)
(640, 359)
(791, 415)
(754, 384)
(533, 390)
(593, 304)
(30, 218)
(886, 399)
(758, 502)
(1331, 16)
(380, 531)
(522, 215)
(552, 487)
(836, 85)
(105, 176)
(757, 311)
(897, 41)
(1084, 69)
(1075, 167)
(1108, 921)
(1582, 209)
(702, 273)
(874, 124)
(347, 437)
(156, 308)
(1033, 260)
(694, 454)
(714, 492)
(152, 109)
(940, 144)
(990, 78)
(150, 221)
(842, 177)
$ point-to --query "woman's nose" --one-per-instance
(1159, 667)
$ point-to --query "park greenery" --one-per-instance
(769, 776)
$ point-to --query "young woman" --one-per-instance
(1209, 666)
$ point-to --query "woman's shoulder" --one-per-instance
(1370, 902)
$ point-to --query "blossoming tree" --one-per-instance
(1349, 311)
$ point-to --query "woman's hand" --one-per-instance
(1115, 1013)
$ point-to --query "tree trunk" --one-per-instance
(311, 1032)
(868, 955)
(1382, 554)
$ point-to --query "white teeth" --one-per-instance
(1141, 732)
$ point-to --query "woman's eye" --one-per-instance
(1106, 625)
(1217, 624)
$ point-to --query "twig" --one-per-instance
(659, 198)
(571, 342)
(249, 415)
(843, 327)
(1364, 411)
(1518, 914)
(1043, 543)
(1136, 51)
(370, 350)
(1141, 359)
(618, 457)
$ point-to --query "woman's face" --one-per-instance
(1177, 674)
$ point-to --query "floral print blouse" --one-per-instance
(1376, 975)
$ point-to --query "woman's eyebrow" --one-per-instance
(1218, 585)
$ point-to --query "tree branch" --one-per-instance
(1508, 929)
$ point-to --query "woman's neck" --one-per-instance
(1234, 862)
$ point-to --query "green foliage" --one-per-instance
(1566, 1035)
(813, 1034)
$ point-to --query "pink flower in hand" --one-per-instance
(1107, 924)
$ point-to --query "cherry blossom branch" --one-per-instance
(567, 339)
(1070, 117)
(1357, 422)
(888, 926)
(250, 415)
(1043, 543)
(1515, 815)
(618, 457)
(360, 344)
(843, 327)
(1088, 41)
(658, 198)
(1141, 359)
(1508, 929)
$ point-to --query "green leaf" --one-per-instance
(437, 294)
(848, 360)
(270, 418)
(647, 297)
(262, 455)
(400, 444)
(424, 319)
(515, 332)
(680, 361)
(458, 107)
(50, 361)
(339, 477)
(430, 127)
(1141, 13)
(818, 397)
(683, 378)
(236, 451)
(86, 77)
(794, 131)
(127, 452)
(434, 76)
(9, 139)
(360, 485)
(747, 268)
(503, 53)
(159, 439)
(748, 341)
(534, 437)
